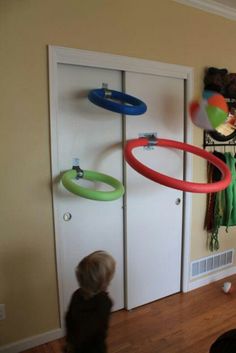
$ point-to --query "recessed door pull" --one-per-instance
(67, 216)
(178, 201)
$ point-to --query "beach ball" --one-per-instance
(210, 112)
(227, 287)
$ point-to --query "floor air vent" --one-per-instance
(212, 263)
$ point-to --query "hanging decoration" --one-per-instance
(221, 206)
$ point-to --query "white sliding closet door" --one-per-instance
(94, 135)
(153, 215)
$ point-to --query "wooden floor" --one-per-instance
(181, 323)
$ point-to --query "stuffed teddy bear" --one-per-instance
(215, 80)
(230, 88)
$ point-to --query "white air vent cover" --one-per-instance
(212, 263)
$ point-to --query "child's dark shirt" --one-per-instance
(87, 322)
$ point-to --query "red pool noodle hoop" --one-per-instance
(172, 182)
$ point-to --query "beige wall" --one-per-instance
(159, 30)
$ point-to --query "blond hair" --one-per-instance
(95, 272)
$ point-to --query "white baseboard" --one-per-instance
(211, 278)
(31, 342)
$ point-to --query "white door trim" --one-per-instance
(61, 55)
(212, 7)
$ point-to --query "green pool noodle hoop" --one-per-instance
(68, 181)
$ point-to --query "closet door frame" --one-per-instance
(60, 55)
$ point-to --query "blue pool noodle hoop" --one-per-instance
(103, 98)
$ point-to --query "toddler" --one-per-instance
(226, 343)
(88, 314)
